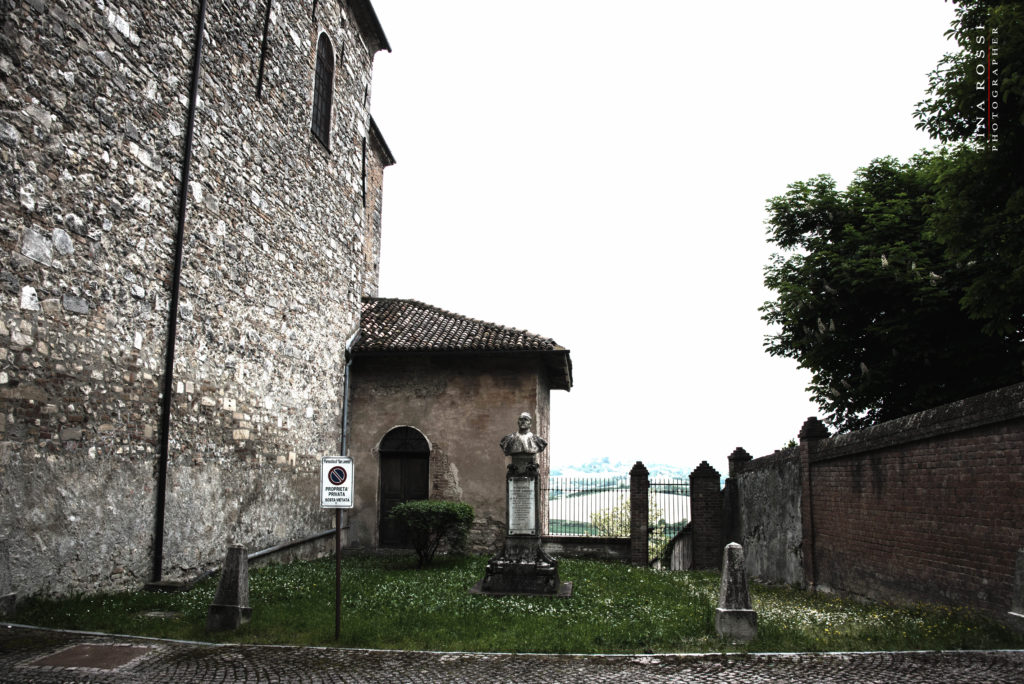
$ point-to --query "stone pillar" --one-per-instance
(639, 515)
(811, 434)
(706, 516)
(735, 620)
(8, 597)
(230, 608)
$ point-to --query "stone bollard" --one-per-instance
(8, 598)
(230, 608)
(735, 620)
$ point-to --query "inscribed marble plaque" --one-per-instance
(522, 506)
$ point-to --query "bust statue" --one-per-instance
(523, 441)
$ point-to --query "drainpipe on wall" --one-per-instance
(344, 425)
(344, 406)
(172, 316)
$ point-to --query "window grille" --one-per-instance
(322, 91)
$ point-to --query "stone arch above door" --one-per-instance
(404, 476)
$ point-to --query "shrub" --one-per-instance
(431, 522)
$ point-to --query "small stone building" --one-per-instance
(431, 395)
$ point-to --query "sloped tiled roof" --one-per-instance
(406, 325)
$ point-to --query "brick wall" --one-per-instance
(914, 511)
(928, 507)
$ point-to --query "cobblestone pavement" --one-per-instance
(38, 656)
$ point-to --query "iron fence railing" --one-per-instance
(668, 505)
(599, 507)
(588, 506)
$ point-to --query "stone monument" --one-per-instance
(522, 567)
(230, 608)
(735, 620)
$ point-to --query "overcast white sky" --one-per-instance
(596, 172)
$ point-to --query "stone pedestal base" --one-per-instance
(738, 625)
(230, 608)
(221, 618)
(522, 567)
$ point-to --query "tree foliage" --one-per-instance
(979, 216)
(614, 522)
(869, 301)
(906, 290)
(433, 522)
(951, 108)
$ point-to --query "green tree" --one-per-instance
(868, 300)
(979, 216)
(906, 290)
(950, 110)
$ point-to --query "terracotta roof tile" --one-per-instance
(406, 325)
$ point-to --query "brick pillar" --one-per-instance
(811, 434)
(732, 525)
(738, 459)
(638, 514)
(706, 516)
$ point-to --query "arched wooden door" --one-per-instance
(404, 476)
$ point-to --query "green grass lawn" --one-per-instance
(388, 603)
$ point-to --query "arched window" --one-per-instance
(323, 87)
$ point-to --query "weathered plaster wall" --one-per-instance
(94, 97)
(464, 405)
(769, 503)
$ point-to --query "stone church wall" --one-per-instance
(279, 247)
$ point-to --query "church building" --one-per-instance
(190, 225)
(188, 229)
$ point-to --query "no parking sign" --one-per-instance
(335, 482)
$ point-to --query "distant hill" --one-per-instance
(604, 467)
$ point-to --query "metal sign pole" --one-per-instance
(337, 492)
(337, 574)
